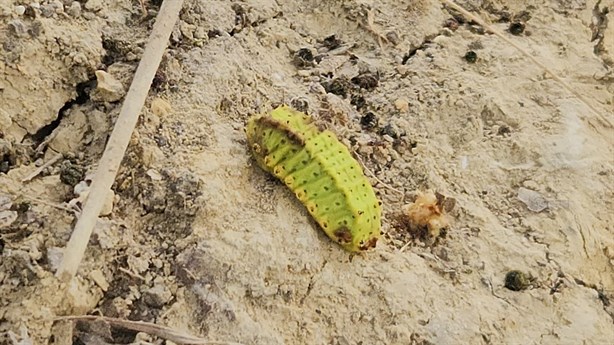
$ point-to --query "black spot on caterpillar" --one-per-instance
(321, 172)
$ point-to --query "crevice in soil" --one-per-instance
(83, 95)
(601, 294)
(425, 44)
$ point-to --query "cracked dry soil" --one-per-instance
(196, 237)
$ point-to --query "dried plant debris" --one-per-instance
(101, 329)
(366, 80)
(532, 199)
(71, 173)
(331, 42)
(340, 86)
(427, 217)
(471, 56)
(517, 280)
(369, 121)
(516, 28)
(303, 58)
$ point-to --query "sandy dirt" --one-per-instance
(198, 238)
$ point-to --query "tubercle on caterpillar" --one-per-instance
(321, 172)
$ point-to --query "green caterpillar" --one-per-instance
(321, 172)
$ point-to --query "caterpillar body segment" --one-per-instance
(321, 172)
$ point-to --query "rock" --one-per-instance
(154, 175)
(20, 10)
(534, 201)
(402, 105)
(80, 297)
(93, 5)
(108, 88)
(81, 187)
(70, 133)
(151, 155)
(160, 107)
(138, 264)
(98, 277)
(89, 15)
(5, 120)
(5, 202)
(71, 174)
(54, 257)
(58, 6)
(107, 208)
(74, 9)
(48, 10)
(157, 296)
(18, 28)
(7, 217)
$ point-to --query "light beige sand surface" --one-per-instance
(200, 239)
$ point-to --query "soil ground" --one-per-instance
(198, 238)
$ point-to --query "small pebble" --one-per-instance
(451, 24)
(18, 28)
(7, 217)
(71, 174)
(358, 101)
(471, 56)
(300, 103)
(332, 42)
(154, 175)
(54, 257)
(108, 88)
(516, 28)
(532, 199)
(389, 130)
(20, 10)
(98, 277)
(58, 6)
(157, 296)
(94, 5)
(74, 9)
(368, 121)
(393, 37)
(90, 16)
(160, 107)
(47, 10)
(402, 105)
(303, 58)
(367, 80)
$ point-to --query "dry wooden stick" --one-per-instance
(604, 120)
(120, 137)
(44, 202)
(163, 332)
(42, 167)
(27, 194)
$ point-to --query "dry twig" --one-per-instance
(371, 27)
(143, 8)
(163, 332)
(42, 167)
(120, 137)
